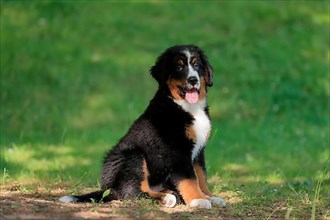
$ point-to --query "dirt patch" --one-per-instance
(42, 203)
(46, 206)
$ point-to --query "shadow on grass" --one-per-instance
(42, 203)
(45, 205)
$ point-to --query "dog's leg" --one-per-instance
(165, 199)
(192, 195)
(202, 180)
(201, 176)
(200, 171)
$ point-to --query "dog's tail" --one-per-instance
(97, 196)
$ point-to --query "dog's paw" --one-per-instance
(169, 201)
(218, 200)
(200, 203)
(68, 199)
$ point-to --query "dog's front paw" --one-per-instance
(218, 200)
(169, 201)
(200, 203)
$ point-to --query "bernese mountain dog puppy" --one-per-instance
(162, 155)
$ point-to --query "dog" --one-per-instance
(162, 155)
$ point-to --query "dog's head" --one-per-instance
(185, 71)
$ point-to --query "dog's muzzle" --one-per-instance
(192, 90)
(192, 80)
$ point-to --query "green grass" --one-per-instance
(74, 76)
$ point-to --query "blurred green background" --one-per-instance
(75, 75)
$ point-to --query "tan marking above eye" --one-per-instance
(180, 62)
(194, 60)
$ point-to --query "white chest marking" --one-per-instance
(201, 124)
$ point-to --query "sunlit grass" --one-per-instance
(33, 163)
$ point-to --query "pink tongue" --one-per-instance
(191, 97)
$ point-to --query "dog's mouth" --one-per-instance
(190, 95)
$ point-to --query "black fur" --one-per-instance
(165, 64)
(158, 137)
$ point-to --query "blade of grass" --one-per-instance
(318, 189)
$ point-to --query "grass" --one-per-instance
(74, 76)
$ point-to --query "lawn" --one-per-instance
(74, 76)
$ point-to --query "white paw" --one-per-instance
(67, 199)
(200, 203)
(218, 200)
(169, 201)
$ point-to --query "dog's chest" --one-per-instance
(202, 127)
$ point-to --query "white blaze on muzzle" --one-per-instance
(192, 94)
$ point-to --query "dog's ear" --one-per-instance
(207, 68)
(158, 71)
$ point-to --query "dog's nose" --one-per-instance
(192, 80)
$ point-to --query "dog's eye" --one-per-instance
(196, 65)
(179, 68)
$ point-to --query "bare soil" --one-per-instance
(18, 205)
(41, 203)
